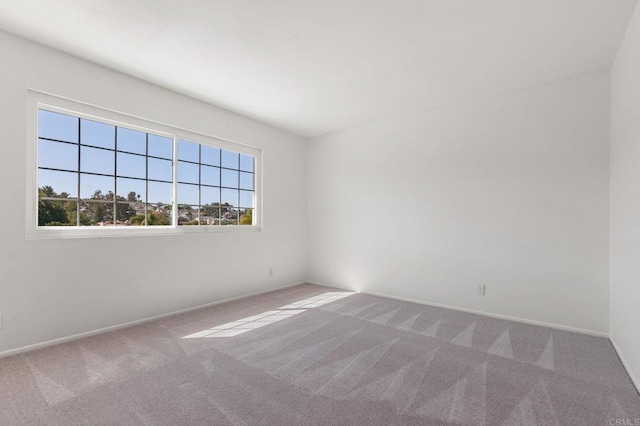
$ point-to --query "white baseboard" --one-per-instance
(388, 296)
(625, 364)
(473, 311)
(136, 322)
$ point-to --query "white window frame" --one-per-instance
(37, 100)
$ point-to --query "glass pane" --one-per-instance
(97, 134)
(57, 213)
(132, 141)
(188, 151)
(208, 220)
(62, 127)
(188, 172)
(160, 193)
(188, 215)
(225, 210)
(230, 159)
(132, 190)
(96, 187)
(209, 195)
(160, 170)
(188, 194)
(57, 155)
(230, 178)
(159, 214)
(210, 175)
(139, 218)
(246, 163)
(58, 184)
(246, 199)
(210, 155)
(96, 213)
(131, 165)
(246, 217)
(246, 180)
(94, 160)
(210, 212)
(160, 146)
(138, 210)
(230, 196)
(125, 211)
(159, 209)
(229, 217)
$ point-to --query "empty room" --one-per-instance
(381, 212)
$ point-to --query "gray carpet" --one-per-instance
(310, 355)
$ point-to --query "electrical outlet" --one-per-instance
(481, 290)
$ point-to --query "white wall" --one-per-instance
(511, 192)
(625, 199)
(55, 288)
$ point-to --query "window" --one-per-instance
(215, 186)
(96, 174)
(112, 171)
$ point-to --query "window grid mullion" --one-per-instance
(102, 148)
(220, 189)
(146, 180)
(115, 173)
(238, 192)
(79, 164)
(174, 170)
(199, 185)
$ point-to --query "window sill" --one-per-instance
(110, 232)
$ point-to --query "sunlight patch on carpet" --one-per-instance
(253, 322)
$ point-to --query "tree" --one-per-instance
(154, 219)
(98, 214)
(137, 220)
(132, 196)
(72, 215)
(58, 209)
(124, 211)
(226, 210)
(46, 191)
(158, 218)
(247, 217)
(50, 212)
(211, 210)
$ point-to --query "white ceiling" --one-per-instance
(317, 66)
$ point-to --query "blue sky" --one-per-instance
(64, 156)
